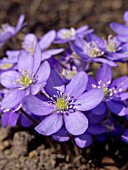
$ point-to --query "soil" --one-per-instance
(24, 149)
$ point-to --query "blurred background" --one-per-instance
(43, 15)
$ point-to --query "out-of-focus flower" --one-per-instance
(90, 51)
(7, 31)
(65, 35)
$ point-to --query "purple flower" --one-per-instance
(114, 95)
(120, 29)
(7, 31)
(29, 44)
(28, 79)
(112, 48)
(90, 51)
(65, 35)
(65, 106)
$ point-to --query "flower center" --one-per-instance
(112, 44)
(92, 49)
(67, 34)
(62, 104)
(25, 80)
(108, 92)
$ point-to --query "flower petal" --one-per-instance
(125, 136)
(100, 109)
(35, 88)
(120, 83)
(25, 61)
(20, 23)
(12, 99)
(122, 38)
(76, 123)
(48, 53)
(104, 74)
(8, 78)
(96, 129)
(83, 140)
(116, 107)
(89, 100)
(62, 135)
(47, 39)
(53, 81)
(5, 119)
(37, 58)
(24, 121)
(50, 125)
(77, 84)
(119, 28)
(102, 60)
(43, 72)
(95, 119)
(13, 118)
(36, 106)
(126, 17)
(91, 82)
(12, 54)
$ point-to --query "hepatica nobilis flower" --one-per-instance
(114, 91)
(28, 79)
(7, 31)
(89, 51)
(29, 44)
(65, 107)
(65, 35)
(112, 48)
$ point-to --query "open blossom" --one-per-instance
(90, 51)
(29, 44)
(7, 31)
(28, 79)
(114, 91)
(121, 29)
(65, 107)
(112, 48)
(65, 35)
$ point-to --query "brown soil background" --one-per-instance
(24, 149)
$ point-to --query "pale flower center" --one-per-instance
(25, 80)
(92, 49)
(111, 44)
(67, 34)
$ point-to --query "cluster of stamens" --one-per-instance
(25, 80)
(67, 34)
(112, 44)
(92, 49)
(63, 102)
(108, 92)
